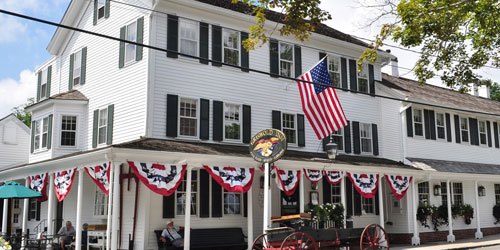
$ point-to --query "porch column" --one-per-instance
(381, 201)
(415, 240)
(5, 215)
(187, 212)
(266, 197)
(50, 210)
(451, 237)
(78, 237)
(479, 234)
(342, 199)
(115, 234)
(301, 195)
(250, 217)
(25, 216)
(110, 206)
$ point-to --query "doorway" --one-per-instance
(290, 204)
(59, 216)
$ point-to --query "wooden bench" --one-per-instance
(210, 238)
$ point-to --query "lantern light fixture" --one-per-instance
(331, 149)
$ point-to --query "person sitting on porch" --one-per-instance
(172, 233)
(66, 233)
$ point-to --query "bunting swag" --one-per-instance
(287, 180)
(366, 184)
(38, 183)
(232, 179)
(313, 175)
(100, 175)
(333, 177)
(399, 184)
(161, 179)
(62, 182)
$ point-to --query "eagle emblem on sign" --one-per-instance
(268, 145)
(265, 146)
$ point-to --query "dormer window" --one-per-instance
(77, 68)
(440, 126)
(464, 129)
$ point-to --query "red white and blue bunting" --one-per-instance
(63, 180)
(366, 184)
(313, 175)
(287, 180)
(232, 179)
(160, 178)
(399, 184)
(333, 177)
(100, 175)
(38, 183)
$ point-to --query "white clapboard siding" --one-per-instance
(14, 142)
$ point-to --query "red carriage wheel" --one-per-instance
(299, 241)
(261, 243)
(374, 237)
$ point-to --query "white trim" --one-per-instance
(61, 130)
(292, 67)
(240, 123)
(191, 137)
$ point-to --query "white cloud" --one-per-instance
(15, 92)
(10, 28)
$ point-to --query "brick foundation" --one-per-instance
(441, 235)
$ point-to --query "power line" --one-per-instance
(229, 65)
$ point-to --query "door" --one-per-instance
(290, 204)
(59, 216)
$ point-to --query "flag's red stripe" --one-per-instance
(336, 106)
(343, 114)
(338, 115)
(310, 102)
(327, 122)
(333, 114)
(316, 107)
(306, 111)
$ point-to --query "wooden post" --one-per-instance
(479, 234)
(415, 240)
(451, 237)
(381, 201)
(187, 211)
(110, 206)
(266, 197)
(301, 195)
(116, 203)
(5, 215)
(78, 237)
(342, 199)
(50, 210)
(25, 217)
(250, 217)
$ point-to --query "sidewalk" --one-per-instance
(490, 240)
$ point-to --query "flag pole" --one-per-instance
(266, 197)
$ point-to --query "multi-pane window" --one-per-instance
(77, 67)
(464, 129)
(418, 122)
(232, 122)
(336, 194)
(181, 194)
(188, 37)
(334, 69)
(482, 132)
(337, 137)
(130, 35)
(101, 5)
(103, 126)
(423, 192)
(188, 118)
(286, 59)
(444, 194)
(289, 128)
(32, 209)
(363, 79)
(43, 86)
(45, 132)
(367, 205)
(15, 218)
(365, 130)
(37, 134)
(100, 203)
(231, 40)
(458, 196)
(497, 194)
(68, 130)
(440, 126)
(232, 203)
(16, 203)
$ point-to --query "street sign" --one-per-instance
(268, 145)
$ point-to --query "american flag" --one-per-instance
(320, 102)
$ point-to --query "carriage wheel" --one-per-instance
(299, 241)
(374, 237)
(261, 243)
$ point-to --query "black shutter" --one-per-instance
(71, 59)
(95, 13)
(457, 128)
(83, 67)
(29, 209)
(327, 191)
(409, 122)
(448, 127)
(172, 35)
(474, 133)
(377, 210)
(495, 130)
(432, 123)
(121, 53)
(218, 120)
(375, 139)
(322, 55)
(204, 43)
(49, 76)
(274, 57)
(247, 123)
(169, 206)
(301, 135)
(216, 199)
(172, 116)
(204, 194)
(245, 204)
(33, 136)
(216, 45)
(94, 128)
(353, 74)
(427, 124)
(140, 38)
(343, 72)
(204, 119)
(347, 138)
(277, 119)
(371, 79)
(357, 202)
(106, 9)
(488, 129)
(38, 210)
(298, 60)
(245, 62)
(325, 141)
(348, 200)
(109, 132)
(356, 138)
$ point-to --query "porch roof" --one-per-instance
(455, 166)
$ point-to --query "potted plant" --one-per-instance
(467, 213)
(4, 245)
(423, 212)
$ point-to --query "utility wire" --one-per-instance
(229, 65)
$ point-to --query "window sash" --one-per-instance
(43, 85)
(232, 203)
(102, 126)
(101, 5)
(464, 129)
(418, 123)
(32, 209)
(457, 193)
(366, 137)
(68, 130)
(37, 134)
(338, 138)
(423, 192)
(440, 126)
(77, 67)
(231, 43)
(289, 128)
(482, 132)
(363, 79)
(368, 205)
(188, 117)
(334, 69)
(232, 121)
(336, 193)
(286, 55)
(100, 203)
(497, 194)
(130, 35)
(188, 37)
(45, 132)
(180, 196)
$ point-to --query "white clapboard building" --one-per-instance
(104, 105)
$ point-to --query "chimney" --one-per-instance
(481, 90)
(394, 67)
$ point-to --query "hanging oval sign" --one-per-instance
(268, 145)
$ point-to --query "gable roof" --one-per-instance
(16, 120)
(438, 95)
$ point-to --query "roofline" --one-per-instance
(18, 121)
(50, 100)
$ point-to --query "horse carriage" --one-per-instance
(297, 232)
